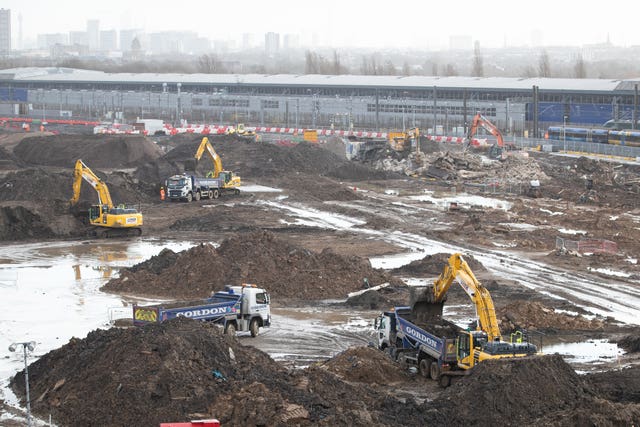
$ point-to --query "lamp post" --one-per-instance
(179, 107)
(25, 346)
(564, 132)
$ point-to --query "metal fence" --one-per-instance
(577, 147)
(593, 246)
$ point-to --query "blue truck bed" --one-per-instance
(212, 309)
(415, 337)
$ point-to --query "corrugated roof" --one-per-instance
(52, 74)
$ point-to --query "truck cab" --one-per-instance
(179, 187)
(254, 309)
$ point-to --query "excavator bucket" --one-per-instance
(423, 306)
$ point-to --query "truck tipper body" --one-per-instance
(187, 187)
(400, 333)
(237, 308)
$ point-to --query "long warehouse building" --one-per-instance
(439, 105)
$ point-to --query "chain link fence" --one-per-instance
(592, 246)
(577, 147)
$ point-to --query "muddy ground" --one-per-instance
(244, 239)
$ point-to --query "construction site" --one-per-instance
(337, 234)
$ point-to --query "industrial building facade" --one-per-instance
(440, 105)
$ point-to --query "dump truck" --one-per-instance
(188, 187)
(236, 308)
(418, 334)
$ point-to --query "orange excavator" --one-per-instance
(497, 149)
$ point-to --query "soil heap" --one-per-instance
(97, 151)
(542, 390)
(259, 257)
(366, 365)
(532, 315)
(184, 369)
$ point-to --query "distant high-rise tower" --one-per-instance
(271, 43)
(20, 41)
(5, 31)
(247, 41)
(93, 34)
(109, 40)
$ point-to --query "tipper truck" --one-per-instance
(218, 182)
(237, 308)
(439, 348)
(188, 187)
(419, 335)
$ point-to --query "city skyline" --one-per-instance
(418, 25)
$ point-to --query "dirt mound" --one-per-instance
(532, 315)
(44, 186)
(631, 343)
(8, 160)
(38, 184)
(183, 369)
(262, 161)
(144, 376)
(433, 265)
(380, 299)
(97, 151)
(366, 365)
(20, 223)
(511, 392)
(286, 270)
(619, 385)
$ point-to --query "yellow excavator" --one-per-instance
(471, 346)
(229, 181)
(109, 220)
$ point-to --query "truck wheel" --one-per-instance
(425, 367)
(210, 195)
(216, 193)
(197, 196)
(189, 197)
(230, 329)
(435, 371)
(254, 327)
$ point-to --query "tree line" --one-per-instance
(543, 64)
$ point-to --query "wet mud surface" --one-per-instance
(334, 224)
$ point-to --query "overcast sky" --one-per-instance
(340, 23)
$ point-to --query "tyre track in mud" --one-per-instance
(590, 292)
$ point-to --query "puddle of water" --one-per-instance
(50, 291)
(592, 351)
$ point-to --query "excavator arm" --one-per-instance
(205, 145)
(81, 172)
(480, 120)
(457, 268)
